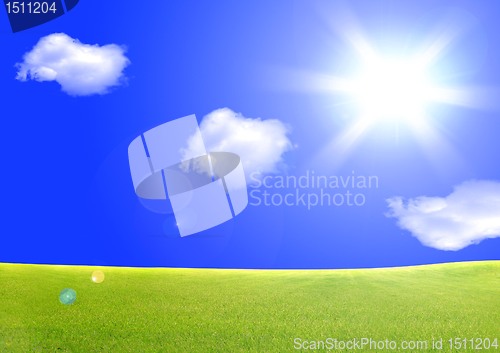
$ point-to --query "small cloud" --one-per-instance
(470, 214)
(80, 69)
(259, 143)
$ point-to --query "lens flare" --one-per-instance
(97, 276)
(67, 296)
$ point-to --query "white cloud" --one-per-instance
(259, 143)
(80, 69)
(470, 214)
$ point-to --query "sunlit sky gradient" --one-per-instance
(68, 195)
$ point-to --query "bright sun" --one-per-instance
(389, 89)
(403, 91)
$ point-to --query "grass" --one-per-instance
(191, 310)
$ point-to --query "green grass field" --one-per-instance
(190, 310)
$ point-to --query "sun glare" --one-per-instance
(388, 89)
(400, 90)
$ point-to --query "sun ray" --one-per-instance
(310, 81)
(474, 97)
(346, 25)
(435, 147)
(341, 146)
(441, 39)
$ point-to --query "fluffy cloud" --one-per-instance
(259, 143)
(470, 214)
(80, 69)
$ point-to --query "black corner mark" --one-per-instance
(70, 4)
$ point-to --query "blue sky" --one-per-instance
(68, 194)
